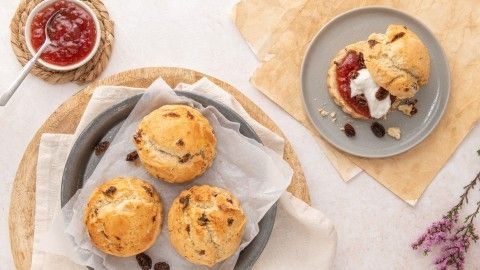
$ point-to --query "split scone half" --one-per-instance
(366, 77)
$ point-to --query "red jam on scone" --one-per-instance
(347, 70)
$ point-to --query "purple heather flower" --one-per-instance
(453, 253)
(453, 243)
(437, 233)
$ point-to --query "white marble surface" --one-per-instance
(374, 227)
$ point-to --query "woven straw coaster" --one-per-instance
(84, 74)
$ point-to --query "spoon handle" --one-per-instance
(5, 96)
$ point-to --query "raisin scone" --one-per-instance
(366, 77)
(123, 216)
(175, 143)
(206, 224)
(398, 61)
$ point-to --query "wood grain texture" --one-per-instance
(65, 120)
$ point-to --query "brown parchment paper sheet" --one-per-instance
(261, 23)
(456, 24)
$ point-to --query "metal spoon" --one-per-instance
(5, 97)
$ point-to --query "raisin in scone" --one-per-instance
(366, 77)
(175, 143)
(206, 224)
(123, 216)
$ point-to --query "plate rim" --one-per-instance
(268, 220)
(435, 121)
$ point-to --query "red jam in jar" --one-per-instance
(72, 33)
(346, 70)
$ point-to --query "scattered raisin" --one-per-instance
(188, 228)
(189, 115)
(201, 252)
(161, 266)
(413, 111)
(230, 221)
(381, 93)
(203, 220)
(185, 158)
(378, 129)
(185, 201)
(154, 218)
(101, 147)
(230, 201)
(397, 36)
(110, 191)
(372, 43)
(144, 261)
(349, 130)
(171, 114)
(132, 156)
(180, 142)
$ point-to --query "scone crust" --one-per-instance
(398, 61)
(123, 216)
(175, 143)
(206, 224)
(332, 78)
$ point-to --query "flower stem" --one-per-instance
(469, 218)
(464, 199)
(469, 230)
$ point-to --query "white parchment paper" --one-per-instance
(255, 174)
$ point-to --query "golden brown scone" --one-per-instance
(206, 224)
(175, 143)
(123, 216)
(398, 61)
(332, 78)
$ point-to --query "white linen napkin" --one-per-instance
(302, 236)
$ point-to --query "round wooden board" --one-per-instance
(65, 120)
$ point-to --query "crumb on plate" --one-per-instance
(394, 132)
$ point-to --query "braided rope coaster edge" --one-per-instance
(84, 74)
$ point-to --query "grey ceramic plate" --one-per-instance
(82, 161)
(351, 27)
